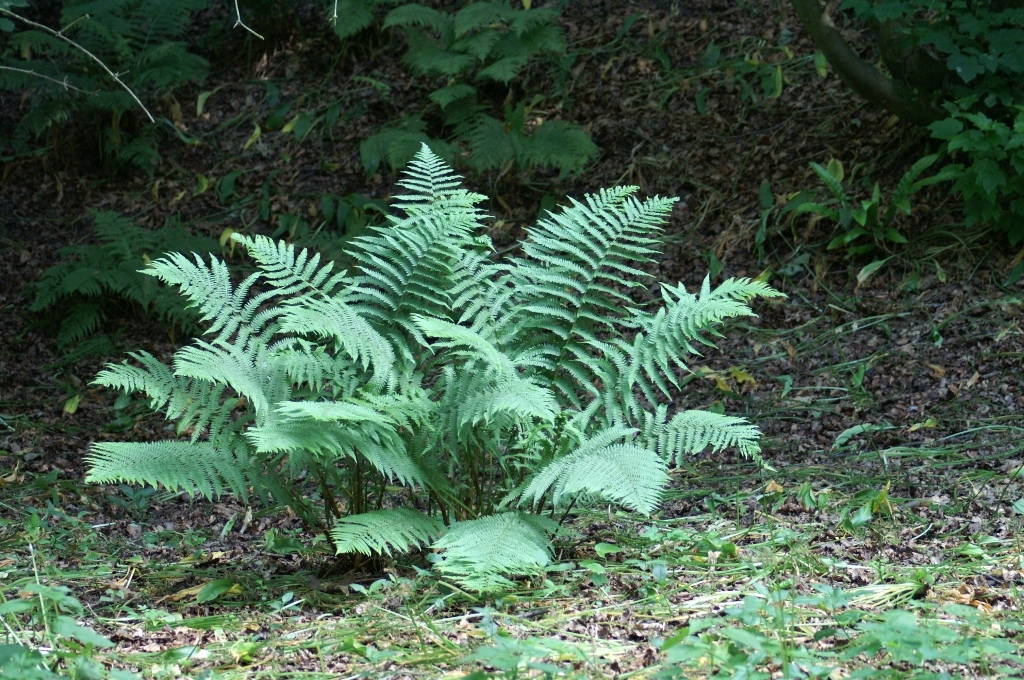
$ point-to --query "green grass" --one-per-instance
(755, 585)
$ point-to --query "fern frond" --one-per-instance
(198, 468)
(691, 432)
(291, 272)
(410, 267)
(479, 553)
(333, 318)
(478, 15)
(559, 144)
(416, 15)
(353, 17)
(208, 288)
(329, 442)
(154, 378)
(435, 187)
(226, 364)
(332, 411)
(479, 44)
(430, 57)
(581, 264)
(627, 474)
(685, 319)
(384, 531)
(81, 321)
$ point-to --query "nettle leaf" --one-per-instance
(968, 68)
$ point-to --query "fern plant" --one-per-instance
(494, 395)
(484, 44)
(138, 39)
(92, 277)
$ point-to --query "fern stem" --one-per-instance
(565, 515)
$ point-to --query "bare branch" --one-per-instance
(60, 35)
(239, 22)
(63, 83)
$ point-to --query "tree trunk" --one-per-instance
(863, 78)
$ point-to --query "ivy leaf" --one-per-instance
(6, 25)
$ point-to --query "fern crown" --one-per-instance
(497, 393)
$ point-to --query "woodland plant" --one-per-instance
(93, 278)
(435, 396)
(481, 48)
(955, 67)
(870, 223)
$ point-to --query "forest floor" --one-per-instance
(886, 541)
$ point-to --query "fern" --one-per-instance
(483, 41)
(383, 531)
(621, 473)
(481, 552)
(496, 394)
(138, 39)
(197, 468)
(91, 277)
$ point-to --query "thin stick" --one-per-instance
(239, 22)
(63, 83)
(60, 35)
(334, 17)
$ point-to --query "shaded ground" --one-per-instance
(902, 393)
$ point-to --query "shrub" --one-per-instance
(93, 276)
(956, 68)
(495, 394)
(991, 177)
(483, 43)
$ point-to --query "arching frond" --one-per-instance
(580, 265)
(196, 467)
(384, 531)
(627, 474)
(291, 272)
(208, 288)
(226, 364)
(691, 432)
(336, 320)
(479, 553)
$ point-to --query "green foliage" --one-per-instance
(991, 181)
(982, 47)
(981, 44)
(867, 226)
(138, 39)
(765, 633)
(484, 42)
(756, 72)
(381, 530)
(338, 220)
(496, 394)
(92, 277)
(49, 615)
